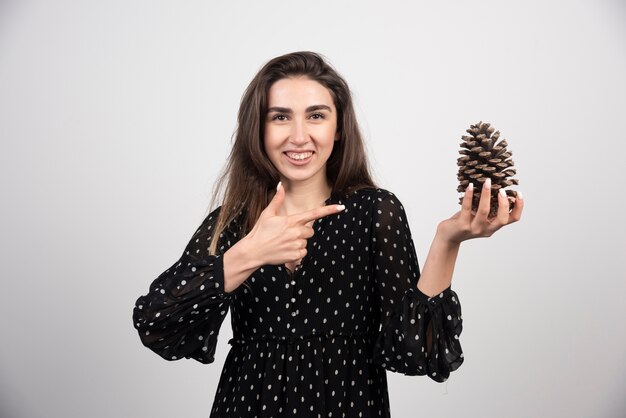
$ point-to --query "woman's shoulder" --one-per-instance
(370, 194)
(211, 219)
(369, 201)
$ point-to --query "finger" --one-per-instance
(306, 231)
(484, 203)
(301, 255)
(502, 215)
(273, 208)
(466, 203)
(313, 214)
(297, 253)
(516, 213)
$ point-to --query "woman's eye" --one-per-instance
(317, 116)
(279, 117)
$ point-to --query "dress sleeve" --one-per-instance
(186, 304)
(402, 344)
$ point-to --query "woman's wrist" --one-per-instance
(445, 243)
(445, 237)
(240, 261)
(249, 253)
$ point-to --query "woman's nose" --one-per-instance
(298, 133)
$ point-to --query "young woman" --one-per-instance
(316, 264)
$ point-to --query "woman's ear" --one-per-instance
(337, 136)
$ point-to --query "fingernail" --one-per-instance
(519, 195)
(278, 186)
(488, 182)
(502, 193)
(340, 207)
(470, 187)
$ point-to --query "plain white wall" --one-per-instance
(116, 116)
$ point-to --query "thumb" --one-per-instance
(277, 201)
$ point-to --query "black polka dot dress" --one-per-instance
(315, 342)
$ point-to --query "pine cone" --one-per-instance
(483, 158)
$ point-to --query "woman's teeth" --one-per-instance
(299, 156)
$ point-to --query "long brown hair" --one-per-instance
(250, 176)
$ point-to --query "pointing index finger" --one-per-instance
(316, 213)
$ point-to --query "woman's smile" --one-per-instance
(298, 158)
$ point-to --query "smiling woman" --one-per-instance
(332, 292)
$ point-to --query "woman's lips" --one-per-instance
(298, 161)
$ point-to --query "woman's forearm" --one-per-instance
(436, 275)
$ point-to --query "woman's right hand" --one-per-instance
(279, 239)
(275, 239)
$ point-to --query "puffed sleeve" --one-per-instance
(407, 313)
(186, 304)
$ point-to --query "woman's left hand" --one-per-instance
(465, 224)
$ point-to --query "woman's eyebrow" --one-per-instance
(279, 109)
(318, 107)
(287, 110)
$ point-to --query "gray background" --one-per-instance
(116, 116)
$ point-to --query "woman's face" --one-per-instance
(300, 129)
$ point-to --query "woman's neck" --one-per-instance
(303, 196)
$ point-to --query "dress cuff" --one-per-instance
(211, 268)
(402, 339)
(434, 300)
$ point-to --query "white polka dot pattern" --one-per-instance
(315, 342)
